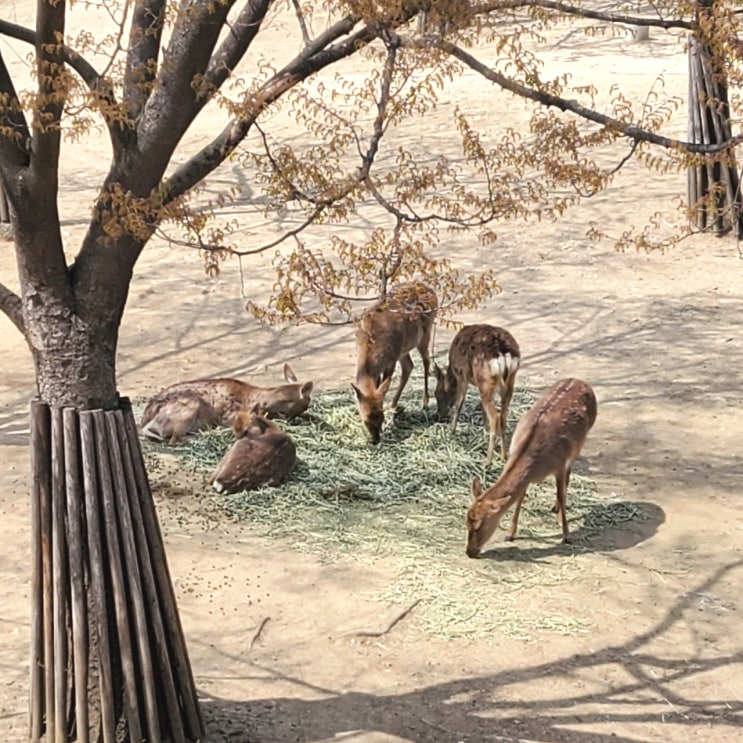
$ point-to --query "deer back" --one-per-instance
(262, 455)
(483, 355)
(547, 440)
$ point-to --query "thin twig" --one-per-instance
(258, 632)
(398, 618)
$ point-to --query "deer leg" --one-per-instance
(458, 403)
(562, 479)
(556, 507)
(491, 413)
(515, 520)
(426, 356)
(505, 402)
(406, 366)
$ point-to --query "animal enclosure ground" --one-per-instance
(651, 643)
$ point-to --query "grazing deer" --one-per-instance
(547, 441)
(262, 455)
(489, 358)
(175, 410)
(387, 333)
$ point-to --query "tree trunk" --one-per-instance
(108, 657)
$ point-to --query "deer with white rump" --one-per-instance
(187, 407)
(489, 358)
(388, 332)
(547, 441)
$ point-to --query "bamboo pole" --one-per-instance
(59, 574)
(194, 722)
(47, 569)
(77, 573)
(129, 448)
(117, 578)
(133, 579)
(97, 578)
(40, 487)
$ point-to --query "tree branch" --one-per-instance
(141, 59)
(10, 304)
(96, 82)
(547, 99)
(582, 12)
(241, 34)
(51, 86)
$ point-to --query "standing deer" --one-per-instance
(187, 407)
(489, 358)
(547, 441)
(387, 333)
(262, 455)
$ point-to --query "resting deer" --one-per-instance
(547, 441)
(175, 412)
(388, 332)
(262, 455)
(489, 358)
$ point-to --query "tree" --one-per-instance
(167, 63)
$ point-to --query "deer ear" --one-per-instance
(242, 422)
(307, 388)
(438, 372)
(289, 374)
(359, 394)
(476, 489)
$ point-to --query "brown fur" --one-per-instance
(387, 333)
(489, 358)
(222, 400)
(263, 455)
(547, 441)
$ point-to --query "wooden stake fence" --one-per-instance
(108, 655)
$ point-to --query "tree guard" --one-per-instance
(108, 655)
(713, 185)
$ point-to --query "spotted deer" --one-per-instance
(489, 358)
(547, 441)
(187, 407)
(262, 455)
(387, 333)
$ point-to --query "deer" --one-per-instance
(262, 455)
(547, 441)
(176, 411)
(489, 358)
(387, 333)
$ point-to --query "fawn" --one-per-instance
(547, 441)
(489, 358)
(387, 333)
(175, 412)
(262, 455)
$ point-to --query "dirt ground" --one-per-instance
(659, 656)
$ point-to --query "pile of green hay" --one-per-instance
(405, 499)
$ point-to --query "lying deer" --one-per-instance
(489, 358)
(262, 455)
(175, 412)
(547, 441)
(387, 333)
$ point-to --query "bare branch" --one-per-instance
(10, 304)
(583, 12)
(547, 99)
(242, 32)
(302, 22)
(141, 60)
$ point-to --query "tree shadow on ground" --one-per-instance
(640, 682)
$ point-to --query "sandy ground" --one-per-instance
(659, 338)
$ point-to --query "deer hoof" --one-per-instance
(509, 538)
(567, 540)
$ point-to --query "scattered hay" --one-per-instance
(406, 499)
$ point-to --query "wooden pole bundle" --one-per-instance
(713, 185)
(108, 657)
